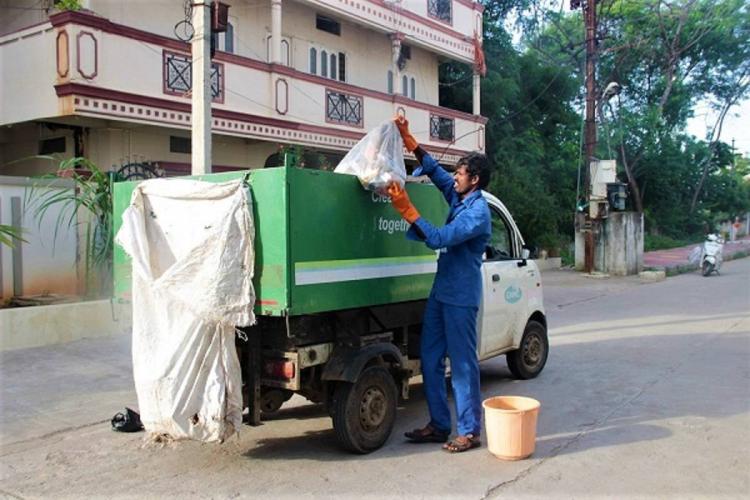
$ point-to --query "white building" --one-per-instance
(111, 81)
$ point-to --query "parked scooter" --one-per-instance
(712, 254)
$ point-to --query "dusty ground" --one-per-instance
(646, 394)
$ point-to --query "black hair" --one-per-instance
(477, 165)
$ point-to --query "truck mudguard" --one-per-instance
(347, 363)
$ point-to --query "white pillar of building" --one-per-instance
(276, 31)
(476, 94)
(395, 54)
(201, 89)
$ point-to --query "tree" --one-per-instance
(668, 56)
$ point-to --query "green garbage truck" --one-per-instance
(340, 294)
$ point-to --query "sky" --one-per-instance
(736, 125)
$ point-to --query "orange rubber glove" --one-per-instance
(401, 202)
(410, 143)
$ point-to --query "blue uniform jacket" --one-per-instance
(461, 242)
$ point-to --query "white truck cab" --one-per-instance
(512, 318)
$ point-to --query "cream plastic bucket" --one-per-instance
(510, 422)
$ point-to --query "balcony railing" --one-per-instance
(442, 128)
(343, 108)
(178, 71)
(441, 10)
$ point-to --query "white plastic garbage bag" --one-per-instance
(377, 159)
(191, 244)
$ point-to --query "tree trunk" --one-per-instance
(634, 189)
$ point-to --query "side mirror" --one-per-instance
(525, 253)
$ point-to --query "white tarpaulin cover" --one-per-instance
(191, 244)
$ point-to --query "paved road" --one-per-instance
(646, 393)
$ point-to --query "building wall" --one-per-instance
(46, 262)
(368, 52)
(37, 78)
(19, 149)
(113, 147)
(17, 14)
(110, 145)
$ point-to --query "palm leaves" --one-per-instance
(9, 235)
(89, 203)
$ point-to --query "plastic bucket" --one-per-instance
(510, 422)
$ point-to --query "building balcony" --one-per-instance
(446, 27)
(83, 65)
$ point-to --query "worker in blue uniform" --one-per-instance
(450, 318)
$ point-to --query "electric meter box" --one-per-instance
(603, 172)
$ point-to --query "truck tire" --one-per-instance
(364, 411)
(529, 359)
(272, 399)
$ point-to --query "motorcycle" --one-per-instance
(711, 254)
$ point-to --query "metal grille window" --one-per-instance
(441, 128)
(440, 9)
(343, 108)
(178, 76)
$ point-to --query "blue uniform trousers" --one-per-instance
(451, 331)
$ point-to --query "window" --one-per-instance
(328, 25)
(413, 89)
(343, 108)
(180, 144)
(332, 64)
(229, 39)
(332, 68)
(441, 128)
(405, 51)
(178, 76)
(390, 82)
(500, 247)
(50, 146)
(342, 67)
(313, 61)
(284, 50)
(405, 86)
(224, 42)
(440, 9)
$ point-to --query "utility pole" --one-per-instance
(201, 89)
(589, 11)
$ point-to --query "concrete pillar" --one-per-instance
(476, 95)
(201, 90)
(276, 31)
(619, 248)
(395, 54)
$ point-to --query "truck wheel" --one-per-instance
(364, 412)
(272, 399)
(528, 360)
